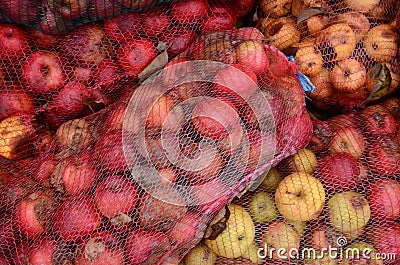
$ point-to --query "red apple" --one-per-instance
(74, 175)
(33, 214)
(47, 252)
(378, 121)
(45, 167)
(190, 11)
(69, 101)
(105, 74)
(14, 101)
(187, 229)
(13, 42)
(247, 33)
(178, 38)
(214, 119)
(252, 54)
(386, 239)
(155, 21)
(40, 39)
(109, 153)
(135, 55)
(75, 218)
(243, 7)
(145, 247)
(384, 156)
(237, 82)
(86, 45)
(69, 9)
(99, 249)
(103, 9)
(348, 140)
(116, 195)
(339, 171)
(124, 27)
(21, 11)
(341, 121)
(384, 199)
(43, 72)
(218, 18)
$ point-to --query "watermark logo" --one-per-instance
(338, 252)
(190, 83)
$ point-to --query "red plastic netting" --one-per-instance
(349, 49)
(335, 202)
(102, 164)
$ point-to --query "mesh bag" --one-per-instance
(348, 49)
(335, 202)
(129, 160)
(57, 17)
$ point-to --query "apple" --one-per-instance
(276, 8)
(103, 9)
(237, 236)
(69, 101)
(21, 11)
(187, 229)
(272, 179)
(360, 253)
(110, 154)
(40, 39)
(381, 42)
(393, 106)
(384, 199)
(124, 27)
(47, 252)
(348, 211)
(116, 195)
(190, 11)
(33, 214)
(155, 21)
(145, 246)
(280, 235)
(347, 140)
(86, 45)
(13, 42)
(100, 248)
(218, 18)
(178, 38)
(135, 55)
(200, 255)
(252, 54)
(386, 238)
(303, 161)
(219, 51)
(106, 74)
(160, 214)
(262, 208)
(300, 197)
(14, 101)
(378, 121)
(384, 156)
(76, 217)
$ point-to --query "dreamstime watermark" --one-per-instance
(331, 252)
(185, 82)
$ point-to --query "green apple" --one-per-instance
(303, 161)
(238, 235)
(300, 197)
(360, 253)
(348, 211)
(252, 254)
(262, 208)
(280, 235)
(272, 179)
(200, 255)
(299, 226)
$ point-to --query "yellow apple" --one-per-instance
(300, 197)
(309, 59)
(252, 254)
(303, 161)
(381, 43)
(262, 208)
(200, 255)
(272, 179)
(238, 235)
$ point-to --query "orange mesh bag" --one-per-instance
(348, 48)
(130, 159)
(337, 201)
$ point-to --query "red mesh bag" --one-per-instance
(348, 49)
(56, 17)
(335, 202)
(110, 154)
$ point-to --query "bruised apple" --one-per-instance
(14, 101)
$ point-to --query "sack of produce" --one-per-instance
(113, 150)
(337, 201)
